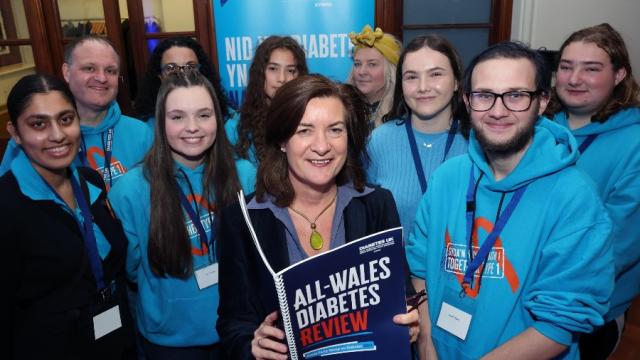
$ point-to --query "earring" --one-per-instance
(283, 149)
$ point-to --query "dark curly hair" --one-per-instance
(256, 102)
(145, 103)
(282, 120)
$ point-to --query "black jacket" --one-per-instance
(47, 281)
(247, 291)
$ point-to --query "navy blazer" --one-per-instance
(47, 280)
(247, 291)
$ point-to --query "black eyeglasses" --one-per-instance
(171, 68)
(513, 100)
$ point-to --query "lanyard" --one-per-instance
(88, 235)
(414, 149)
(500, 223)
(195, 219)
(107, 149)
(586, 143)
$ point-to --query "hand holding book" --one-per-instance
(268, 340)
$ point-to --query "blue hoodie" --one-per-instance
(247, 168)
(131, 140)
(170, 311)
(549, 269)
(33, 186)
(613, 162)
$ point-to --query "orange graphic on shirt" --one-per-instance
(116, 167)
(508, 269)
(211, 208)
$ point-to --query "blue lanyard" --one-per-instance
(107, 149)
(88, 235)
(414, 149)
(586, 143)
(500, 223)
(195, 219)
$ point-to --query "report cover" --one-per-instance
(340, 304)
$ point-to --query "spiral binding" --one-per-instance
(286, 319)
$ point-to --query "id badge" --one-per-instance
(207, 276)
(456, 313)
(106, 322)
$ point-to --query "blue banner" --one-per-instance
(320, 26)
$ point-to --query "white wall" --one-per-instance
(549, 22)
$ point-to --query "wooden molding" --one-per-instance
(39, 41)
(388, 17)
(137, 35)
(501, 13)
(114, 34)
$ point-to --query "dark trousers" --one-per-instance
(599, 344)
(158, 352)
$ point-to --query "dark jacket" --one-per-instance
(47, 281)
(247, 291)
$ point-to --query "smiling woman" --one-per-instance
(423, 128)
(310, 197)
(64, 276)
(169, 207)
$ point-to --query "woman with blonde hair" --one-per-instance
(375, 57)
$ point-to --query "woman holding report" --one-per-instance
(310, 197)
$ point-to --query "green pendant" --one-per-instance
(316, 240)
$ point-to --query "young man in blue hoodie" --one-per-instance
(511, 240)
(92, 69)
(597, 97)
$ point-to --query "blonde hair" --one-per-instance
(384, 106)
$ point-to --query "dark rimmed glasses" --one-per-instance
(172, 68)
(513, 100)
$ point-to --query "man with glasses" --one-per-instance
(92, 70)
(511, 240)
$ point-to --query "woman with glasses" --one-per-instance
(597, 97)
(176, 55)
(63, 250)
(310, 197)
(169, 207)
(423, 128)
(278, 60)
(375, 57)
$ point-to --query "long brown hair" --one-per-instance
(284, 116)
(399, 108)
(169, 245)
(626, 93)
(256, 102)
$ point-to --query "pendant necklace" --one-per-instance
(315, 240)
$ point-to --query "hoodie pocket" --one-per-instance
(192, 319)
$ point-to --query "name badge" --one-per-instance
(207, 276)
(456, 313)
(106, 322)
(454, 320)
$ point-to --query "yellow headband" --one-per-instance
(386, 44)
